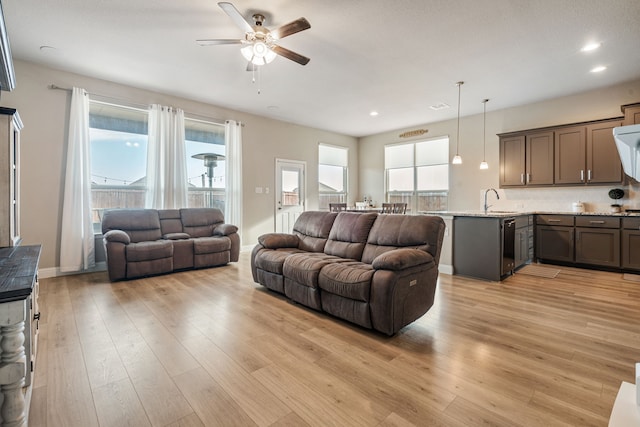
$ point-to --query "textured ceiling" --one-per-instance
(396, 57)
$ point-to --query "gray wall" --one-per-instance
(45, 116)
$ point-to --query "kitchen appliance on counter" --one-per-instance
(577, 207)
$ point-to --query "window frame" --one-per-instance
(418, 199)
(326, 197)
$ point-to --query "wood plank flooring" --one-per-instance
(212, 348)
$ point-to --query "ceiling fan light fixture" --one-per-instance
(258, 53)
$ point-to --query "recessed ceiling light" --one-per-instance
(590, 46)
(440, 106)
(373, 113)
(598, 69)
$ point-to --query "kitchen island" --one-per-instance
(477, 245)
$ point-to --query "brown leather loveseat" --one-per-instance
(378, 271)
(145, 242)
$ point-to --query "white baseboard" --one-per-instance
(445, 269)
(44, 273)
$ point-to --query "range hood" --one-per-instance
(628, 142)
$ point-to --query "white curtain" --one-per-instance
(77, 251)
(166, 161)
(233, 178)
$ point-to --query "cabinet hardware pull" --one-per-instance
(596, 222)
(589, 175)
(528, 178)
(521, 178)
(553, 220)
(581, 174)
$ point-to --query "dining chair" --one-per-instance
(337, 207)
(387, 208)
(400, 208)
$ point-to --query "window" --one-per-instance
(118, 157)
(332, 175)
(118, 137)
(206, 165)
(418, 174)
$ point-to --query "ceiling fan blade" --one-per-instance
(235, 16)
(251, 66)
(289, 54)
(208, 42)
(291, 28)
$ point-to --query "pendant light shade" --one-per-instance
(484, 164)
(457, 160)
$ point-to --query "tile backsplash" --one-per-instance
(560, 199)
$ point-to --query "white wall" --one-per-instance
(45, 116)
(467, 181)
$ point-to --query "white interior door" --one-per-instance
(290, 193)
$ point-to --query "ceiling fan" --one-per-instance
(260, 42)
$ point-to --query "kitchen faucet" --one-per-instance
(485, 198)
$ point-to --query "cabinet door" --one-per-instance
(632, 115)
(631, 249)
(554, 243)
(571, 153)
(512, 161)
(539, 162)
(598, 246)
(603, 160)
(521, 246)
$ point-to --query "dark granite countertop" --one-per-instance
(18, 270)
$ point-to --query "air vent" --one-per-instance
(440, 106)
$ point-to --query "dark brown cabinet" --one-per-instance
(597, 240)
(526, 159)
(603, 160)
(587, 154)
(523, 245)
(570, 155)
(631, 114)
(631, 243)
(584, 153)
(554, 237)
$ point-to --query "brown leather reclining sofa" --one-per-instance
(378, 271)
(146, 242)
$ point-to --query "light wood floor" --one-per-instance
(212, 348)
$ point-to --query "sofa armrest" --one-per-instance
(117, 236)
(400, 259)
(224, 230)
(278, 240)
(176, 236)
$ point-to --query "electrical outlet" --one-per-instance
(266, 190)
(258, 190)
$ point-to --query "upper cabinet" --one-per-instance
(526, 159)
(631, 114)
(566, 155)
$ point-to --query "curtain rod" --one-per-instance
(144, 107)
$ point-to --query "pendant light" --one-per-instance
(457, 160)
(484, 164)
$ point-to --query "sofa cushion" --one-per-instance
(175, 236)
(312, 229)
(208, 245)
(148, 251)
(170, 221)
(349, 233)
(390, 232)
(200, 222)
(348, 279)
(273, 260)
(140, 224)
(304, 268)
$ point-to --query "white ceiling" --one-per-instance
(397, 57)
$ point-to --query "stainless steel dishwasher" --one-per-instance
(508, 245)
